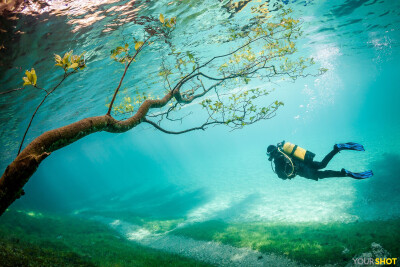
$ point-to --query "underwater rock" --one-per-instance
(378, 251)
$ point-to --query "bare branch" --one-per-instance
(178, 96)
(202, 127)
(37, 108)
(13, 90)
(42, 89)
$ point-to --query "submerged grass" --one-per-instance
(311, 243)
(35, 239)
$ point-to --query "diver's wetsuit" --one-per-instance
(310, 170)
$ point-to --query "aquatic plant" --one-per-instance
(311, 243)
(262, 49)
(55, 240)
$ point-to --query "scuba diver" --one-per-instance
(291, 160)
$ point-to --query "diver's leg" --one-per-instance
(329, 174)
(320, 165)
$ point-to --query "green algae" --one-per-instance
(42, 239)
(311, 243)
(35, 239)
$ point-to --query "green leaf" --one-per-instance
(138, 45)
(190, 55)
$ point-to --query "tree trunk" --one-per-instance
(25, 164)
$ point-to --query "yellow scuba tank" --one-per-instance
(297, 152)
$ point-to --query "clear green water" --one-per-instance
(216, 175)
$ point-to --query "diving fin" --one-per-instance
(349, 146)
(357, 175)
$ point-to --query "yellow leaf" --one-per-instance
(73, 66)
(74, 58)
(58, 65)
(81, 55)
(162, 18)
(66, 57)
(34, 77)
(26, 81)
(138, 45)
(29, 75)
(57, 58)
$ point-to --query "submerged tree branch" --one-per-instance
(25, 164)
(201, 127)
(13, 90)
(234, 109)
(123, 75)
(37, 108)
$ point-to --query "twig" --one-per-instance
(123, 75)
(10, 91)
(37, 108)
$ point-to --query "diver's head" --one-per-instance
(271, 150)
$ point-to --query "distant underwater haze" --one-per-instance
(218, 177)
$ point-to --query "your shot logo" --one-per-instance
(375, 261)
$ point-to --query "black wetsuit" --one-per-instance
(310, 170)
